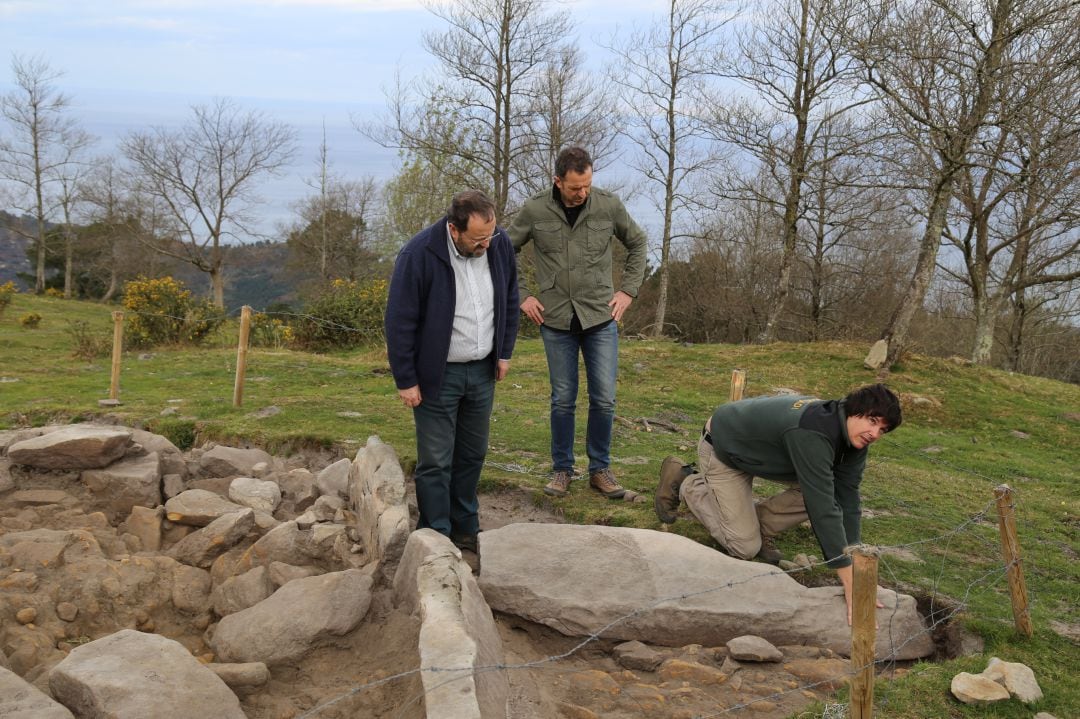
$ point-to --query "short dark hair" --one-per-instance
(467, 203)
(574, 159)
(875, 400)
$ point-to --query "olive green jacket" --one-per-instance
(573, 264)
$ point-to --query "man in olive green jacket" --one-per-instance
(578, 307)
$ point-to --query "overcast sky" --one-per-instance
(129, 64)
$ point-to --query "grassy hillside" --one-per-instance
(928, 489)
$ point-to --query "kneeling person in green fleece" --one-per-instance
(818, 447)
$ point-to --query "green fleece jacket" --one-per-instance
(573, 264)
(804, 440)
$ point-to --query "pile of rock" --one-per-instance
(999, 682)
(191, 573)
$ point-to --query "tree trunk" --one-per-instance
(895, 334)
(986, 313)
(69, 262)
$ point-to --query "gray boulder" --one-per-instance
(285, 543)
(222, 461)
(202, 547)
(134, 674)
(1017, 678)
(377, 498)
(198, 507)
(72, 447)
(749, 648)
(334, 480)
(663, 588)
(977, 689)
(258, 494)
(6, 481)
(242, 677)
(131, 482)
(303, 614)
(238, 593)
(21, 700)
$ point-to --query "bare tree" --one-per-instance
(938, 67)
(121, 224)
(1018, 202)
(43, 146)
(205, 174)
(333, 234)
(492, 57)
(795, 93)
(662, 74)
(568, 109)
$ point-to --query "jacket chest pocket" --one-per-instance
(599, 237)
(548, 236)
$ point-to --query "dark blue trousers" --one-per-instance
(451, 443)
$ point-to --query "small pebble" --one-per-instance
(26, 616)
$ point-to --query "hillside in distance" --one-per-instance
(256, 274)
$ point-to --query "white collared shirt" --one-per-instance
(473, 335)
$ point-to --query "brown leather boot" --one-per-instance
(603, 481)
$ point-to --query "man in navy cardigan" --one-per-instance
(451, 323)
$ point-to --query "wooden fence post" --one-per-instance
(738, 383)
(117, 351)
(241, 355)
(863, 631)
(1010, 550)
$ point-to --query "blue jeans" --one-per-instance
(451, 443)
(600, 351)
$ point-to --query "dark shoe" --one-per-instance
(666, 497)
(559, 486)
(603, 481)
(469, 545)
(769, 553)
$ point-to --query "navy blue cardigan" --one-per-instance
(420, 310)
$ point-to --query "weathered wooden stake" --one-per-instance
(738, 383)
(1010, 550)
(117, 351)
(241, 355)
(863, 631)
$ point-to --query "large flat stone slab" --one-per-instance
(663, 588)
(134, 674)
(72, 447)
(457, 630)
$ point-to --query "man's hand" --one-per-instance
(533, 309)
(411, 396)
(846, 575)
(502, 370)
(618, 305)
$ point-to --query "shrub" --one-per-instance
(88, 344)
(161, 311)
(30, 321)
(267, 331)
(346, 314)
(7, 291)
(54, 292)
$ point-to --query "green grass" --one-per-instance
(934, 475)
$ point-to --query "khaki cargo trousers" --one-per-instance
(722, 499)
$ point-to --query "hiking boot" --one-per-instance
(768, 552)
(559, 486)
(603, 481)
(666, 497)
